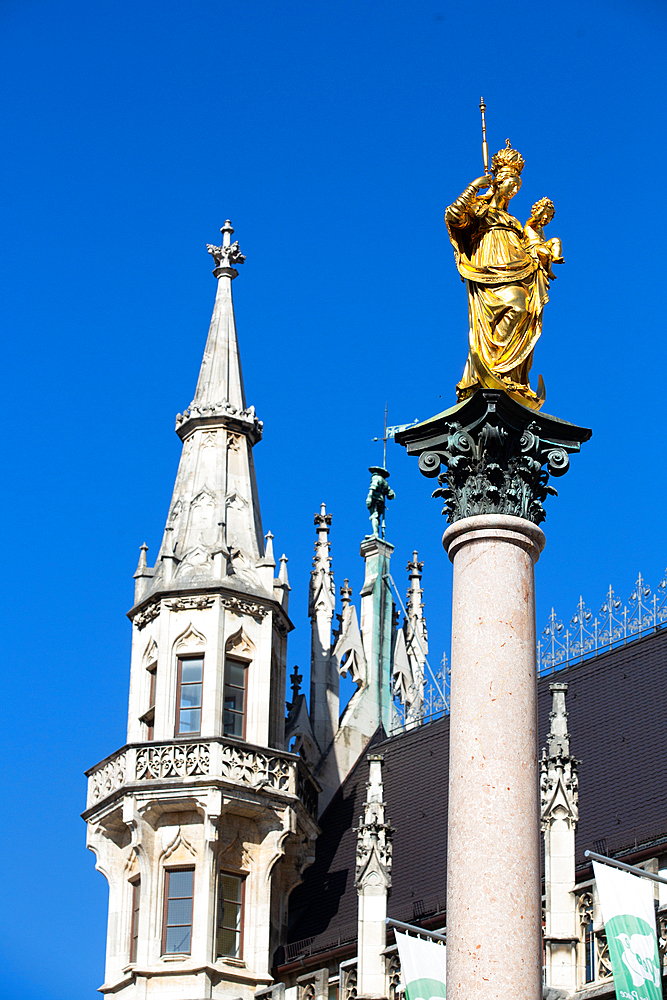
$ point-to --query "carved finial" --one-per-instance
(295, 683)
(558, 738)
(415, 567)
(374, 833)
(322, 592)
(229, 254)
(142, 564)
(268, 549)
(558, 770)
(345, 594)
(282, 575)
(322, 520)
(227, 231)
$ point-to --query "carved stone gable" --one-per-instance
(235, 857)
(190, 639)
(240, 645)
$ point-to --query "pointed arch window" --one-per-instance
(188, 694)
(135, 886)
(177, 920)
(235, 697)
(239, 652)
(229, 933)
(148, 718)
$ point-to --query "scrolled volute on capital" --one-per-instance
(491, 455)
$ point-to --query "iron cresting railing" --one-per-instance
(586, 636)
(615, 625)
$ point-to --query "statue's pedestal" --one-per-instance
(493, 846)
(493, 458)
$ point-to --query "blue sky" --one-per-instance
(333, 135)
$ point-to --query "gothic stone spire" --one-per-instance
(324, 679)
(559, 783)
(373, 882)
(214, 526)
(559, 814)
(416, 640)
(374, 833)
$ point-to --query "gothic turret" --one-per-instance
(373, 882)
(559, 815)
(324, 681)
(410, 650)
(203, 822)
(416, 638)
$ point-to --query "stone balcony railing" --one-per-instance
(252, 767)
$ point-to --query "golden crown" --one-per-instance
(507, 160)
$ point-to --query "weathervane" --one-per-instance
(384, 439)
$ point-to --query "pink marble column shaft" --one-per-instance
(493, 848)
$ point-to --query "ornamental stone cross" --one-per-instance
(229, 254)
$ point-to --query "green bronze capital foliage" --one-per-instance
(492, 455)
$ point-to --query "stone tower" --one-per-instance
(202, 822)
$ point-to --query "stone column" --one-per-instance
(493, 845)
(493, 458)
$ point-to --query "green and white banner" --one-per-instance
(629, 919)
(422, 967)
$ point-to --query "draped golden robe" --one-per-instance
(507, 292)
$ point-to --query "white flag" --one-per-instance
(629, 920)
(422, 967)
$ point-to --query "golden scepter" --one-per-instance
(485, 148)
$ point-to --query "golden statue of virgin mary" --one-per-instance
(506, 267)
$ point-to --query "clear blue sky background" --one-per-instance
(333, 135)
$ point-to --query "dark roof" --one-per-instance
(617, 705)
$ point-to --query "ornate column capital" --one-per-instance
(493, 456)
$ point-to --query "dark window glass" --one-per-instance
(177, 934)
(234, 712)
(190, 673)
(150, 714)
(134, 930)
(230, 916)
